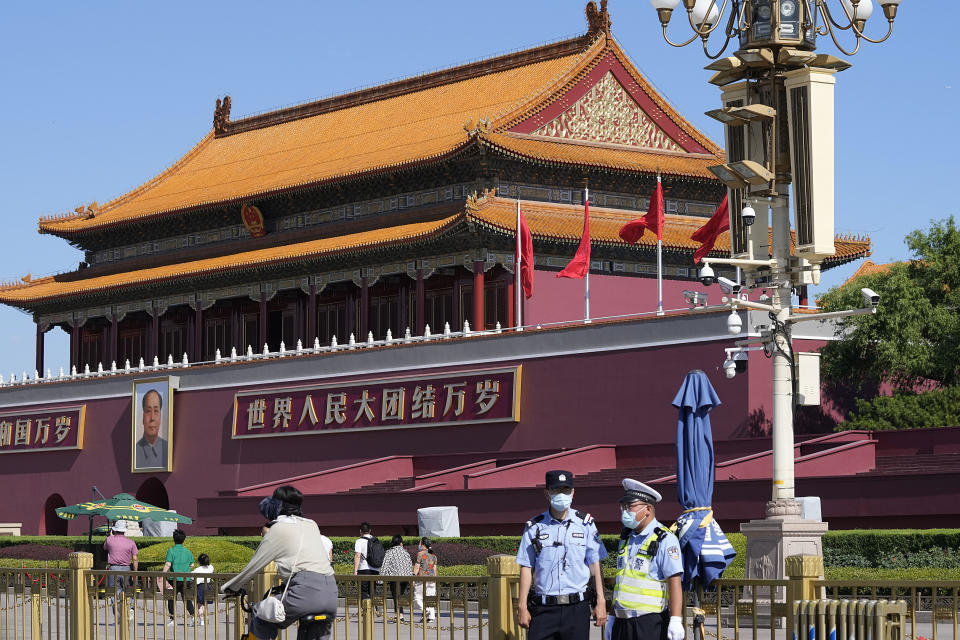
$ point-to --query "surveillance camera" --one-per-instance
(706, 275)
(729, 368)
(870, 297)
(734, 324)
(748, 215)
(729, 285)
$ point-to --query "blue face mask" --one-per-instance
(560, 502)
(629, 519)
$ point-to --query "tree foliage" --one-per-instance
(907, 410)
(914, 337)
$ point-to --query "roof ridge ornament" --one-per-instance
(221, 115)
(598, 21)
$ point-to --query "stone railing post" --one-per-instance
(801, 572)
(501, 592)
(80, 565)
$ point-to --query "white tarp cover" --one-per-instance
(162, 529)
(439, 522)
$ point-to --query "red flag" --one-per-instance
(526, 255)
(580, 265)
(653, 220)
(707, 234)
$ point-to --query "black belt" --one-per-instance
(566, 598)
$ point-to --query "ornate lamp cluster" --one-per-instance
(771, 23)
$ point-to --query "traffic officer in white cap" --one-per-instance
(647, 598)
(559, 558)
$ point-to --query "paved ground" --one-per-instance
(150, 623)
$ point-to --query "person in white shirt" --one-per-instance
(203, 566)
(293, 543)
(328, 545)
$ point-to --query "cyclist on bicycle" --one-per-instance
(294, 544)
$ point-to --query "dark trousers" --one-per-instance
(365, 585)
(171, 603)
(560, 622)
(652, 626)
(393, 594)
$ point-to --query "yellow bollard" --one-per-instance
(78, 597)
(502, 620)
(35, 615)
(123, 625)
(366, 619)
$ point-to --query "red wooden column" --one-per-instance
(75, 346)
(511, 300)
(39, 354)
(364, 309)
(236, 330)
(351, 314)
(113, 351)
(154, 342)
(478, 296)
(198, 334)
(262, 324)
(311, 317)
(421, 310)
(456, 322)
(403, 306)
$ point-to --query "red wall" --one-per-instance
(614, 397)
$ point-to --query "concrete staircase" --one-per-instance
(930, 463)
(388, 486)
(613, 477)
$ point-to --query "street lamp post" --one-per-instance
(778, 118)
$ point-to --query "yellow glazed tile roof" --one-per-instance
(548, 221)
(397, 131)
(565, 222)
(73, 283)
(374, 133)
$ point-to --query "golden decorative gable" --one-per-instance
(607, 113)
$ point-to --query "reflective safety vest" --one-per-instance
(635, 590)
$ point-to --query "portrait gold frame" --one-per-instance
(165, 386)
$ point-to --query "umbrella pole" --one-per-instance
(698, 616)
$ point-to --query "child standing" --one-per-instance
(203, 566)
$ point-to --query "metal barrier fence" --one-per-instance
(932, 605)
(39, 604)
(80, 603)
(34, 604)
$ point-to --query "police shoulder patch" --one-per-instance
(674, 552)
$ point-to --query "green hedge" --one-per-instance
(893, 549)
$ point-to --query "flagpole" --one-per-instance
(518, 312)
(586, 280)
(659, 260)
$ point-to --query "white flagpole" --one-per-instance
(518, 312)
(659, 277)
(586, 280)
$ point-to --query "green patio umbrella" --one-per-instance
(122, 506)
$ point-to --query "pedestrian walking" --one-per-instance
(203, 566)
(121, 556)
(397, 562)
(179, 560)
(425, 566)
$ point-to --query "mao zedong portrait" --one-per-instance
(151, 449)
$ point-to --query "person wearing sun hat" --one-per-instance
(647, 597)
(121, 555)
(559, 558)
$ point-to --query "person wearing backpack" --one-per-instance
(367, 557)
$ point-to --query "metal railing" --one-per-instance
(932, 605)
(740, 609)
(38, 604)
(34, 604)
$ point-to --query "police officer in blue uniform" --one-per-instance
(647, 597)
(559, 557)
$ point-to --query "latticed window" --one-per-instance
(216, 336)
(172, 340)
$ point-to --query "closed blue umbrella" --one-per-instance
(706, 550)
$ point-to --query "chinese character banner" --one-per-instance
(423, 401)
(42, 429)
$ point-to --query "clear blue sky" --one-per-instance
(98, 97)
